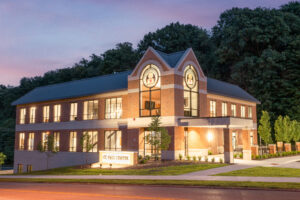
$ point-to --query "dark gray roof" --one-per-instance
(78, 88)
(172, 58)
(226, 89)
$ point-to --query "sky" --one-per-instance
(42, 35)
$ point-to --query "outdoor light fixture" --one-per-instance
(209, 136)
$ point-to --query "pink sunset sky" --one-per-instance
(42, 35)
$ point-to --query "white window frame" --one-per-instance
(30, 142)
(213, 108)
(90, 113)
(57, 113)
(56, 138)
(73, 141)
(21, 141)
(46, 114)
(32, 114)
(224, 109)
(233, 110)
(22, 115)
(250, 112)
(116, 145)
(243, 111)
(93, 135)
(113, 110)
(73, 111)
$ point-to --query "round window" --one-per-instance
(190, 78)
(150, 77)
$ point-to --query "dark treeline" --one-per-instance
(258, 50)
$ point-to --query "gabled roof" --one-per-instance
(226, 89)
(172, 58)
(78, 88)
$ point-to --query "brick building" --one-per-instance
(201, 114)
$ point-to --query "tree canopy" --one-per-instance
(257, 49)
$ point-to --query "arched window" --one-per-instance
(150, 91)
(190, 86)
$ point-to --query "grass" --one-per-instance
(218, 184)
(264, 172)
(169, 170)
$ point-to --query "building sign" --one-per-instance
(118, 157)
(190, 78)
(150, 77)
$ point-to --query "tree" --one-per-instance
(87, 144)
(259, 50)
(178, 37)
(264, 128)
(2, 159)
(295, 129)
(158, 138)
(279, 129)
(288, 129)
(48, 148)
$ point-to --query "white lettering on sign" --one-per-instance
(116, 158)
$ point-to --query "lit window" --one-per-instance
(46, 111)
(113, 140)
(243, 113)
(56, 141)
(249, 112)
(251, 138)
(57, 113)
(233, 110)
(45, 136)
(149, 148)
(73, 141)
(224, 109)
(90, 110)
(21, 141)
(150, 91)
(32, 115)
(22, 115)
(73, 111)
(113, 108)
(190, 86)
(31, 142)
(20, 168)
(29, 168)
(90, 141)
(212, 108)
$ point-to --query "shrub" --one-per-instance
(253, 157)
(235, 155)
(140, 157)
(180, 156)
(213, 160)
(194, 158)
(199, 158)
(147, 157)
(206, 159)
(209, 152)
(257, 157)
(241, 155)
(143, 161)
(188, 157)
(265, 156)
(221, 160)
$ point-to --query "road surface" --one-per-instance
(58, 191)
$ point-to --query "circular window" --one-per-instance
(190, 78)
(150, 77)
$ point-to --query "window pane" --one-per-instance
(194, 100)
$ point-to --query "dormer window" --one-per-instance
(190, 86)
(150, 91)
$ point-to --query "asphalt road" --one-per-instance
(56, 191)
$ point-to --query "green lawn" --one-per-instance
(220, 184)
(264, 172)
(170, 170)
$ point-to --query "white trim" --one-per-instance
(143, 64)
(167, 86)
(200, 77)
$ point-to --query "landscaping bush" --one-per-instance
(188, 157)
(194, 158)
(199, 158)
(206, 159)
(213, 160)
(140, 157)
(257, 157)
(235, 155)
(209, 152)
(143, 161)
(147, 157)
(221, 160)
(241, 155)
(180, 156)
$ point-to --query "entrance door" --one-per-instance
(186, 142)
